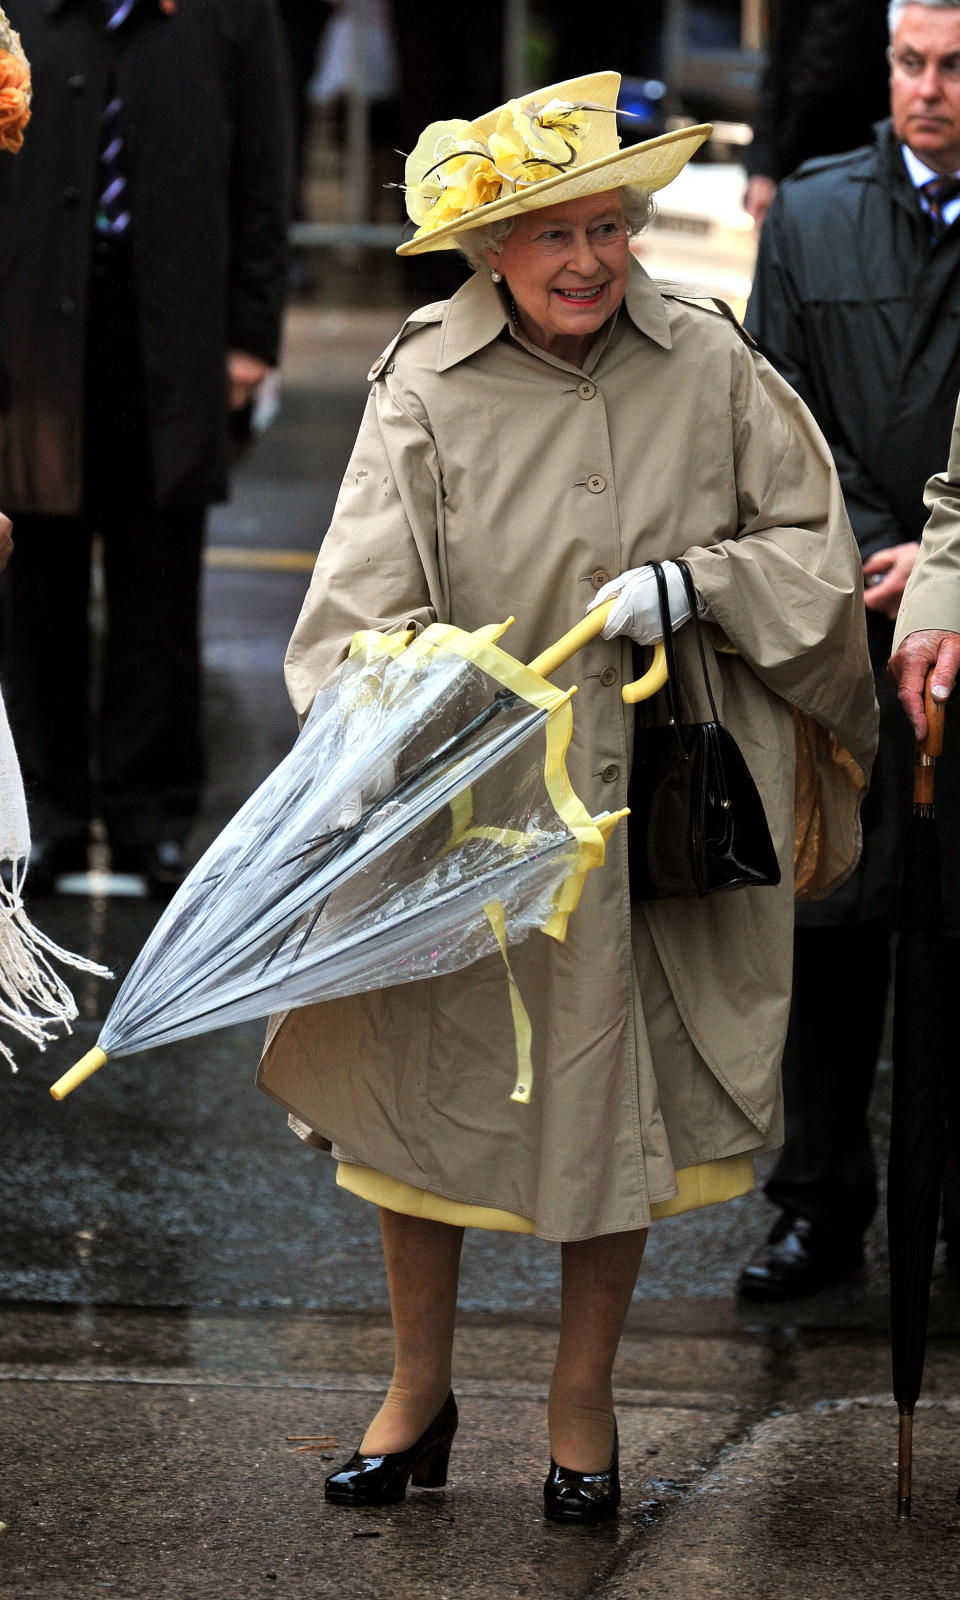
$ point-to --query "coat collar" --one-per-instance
(477, 315)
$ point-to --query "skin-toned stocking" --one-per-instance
(598, 1281)
(423, 1270)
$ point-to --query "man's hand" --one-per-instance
(244, 373)
(885, 578)
(6, 540)
(758, 198)
(909, 667)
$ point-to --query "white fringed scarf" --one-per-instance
(34, 1000)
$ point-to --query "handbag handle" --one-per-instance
(673, 675)
(688, 584)
(666, 629)
(666, 624)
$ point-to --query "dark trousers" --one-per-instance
(841, 981)
(108, 725)
(826, 1170)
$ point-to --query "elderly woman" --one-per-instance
(529, 446)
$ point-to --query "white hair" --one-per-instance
(637, 211)
(898, 7)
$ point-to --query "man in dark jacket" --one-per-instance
(856, 301)
(823, 88)
(142, 270)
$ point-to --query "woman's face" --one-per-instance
(566, 268)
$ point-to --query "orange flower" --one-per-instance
(14, 100)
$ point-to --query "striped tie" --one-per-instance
(938, 192)
(112, 215)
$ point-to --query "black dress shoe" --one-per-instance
(798, 1258)
(382, 1480)
(582, 1496)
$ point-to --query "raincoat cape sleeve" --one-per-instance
(932, 596)
(787, 595)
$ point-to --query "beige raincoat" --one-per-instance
(490, 478)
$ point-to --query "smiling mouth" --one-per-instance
(581, 296)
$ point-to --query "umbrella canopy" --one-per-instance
(423, 819)
(918, 1137)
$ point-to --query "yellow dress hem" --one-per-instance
(706, 1184)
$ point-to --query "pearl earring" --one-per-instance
(497, 277)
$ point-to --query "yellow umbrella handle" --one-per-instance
(84, 1069)
(580, 634)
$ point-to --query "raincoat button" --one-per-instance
(611, 773)
(586, 390)
(71, 194)
(598, 579)
(77, 83)
(377, 364)
(608, 676)
(596, 484)
(66, 305)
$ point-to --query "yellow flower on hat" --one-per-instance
(470, 181)
(552, 132)
(426, 171)
(509, 154)
(453, 169)
(532, 143)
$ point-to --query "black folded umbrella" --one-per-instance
(918, 1129)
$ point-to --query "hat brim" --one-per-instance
(651, 165)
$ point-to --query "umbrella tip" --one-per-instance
(84, 1069)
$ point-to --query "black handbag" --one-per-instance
(697, 824)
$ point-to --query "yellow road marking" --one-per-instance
(240, 558)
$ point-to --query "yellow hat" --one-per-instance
(555, 144)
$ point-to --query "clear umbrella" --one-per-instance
(423, 819)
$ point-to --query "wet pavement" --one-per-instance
(183, 1287)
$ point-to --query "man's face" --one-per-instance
(925, 85)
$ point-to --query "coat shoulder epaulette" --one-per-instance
(417, 319)
(709, 303)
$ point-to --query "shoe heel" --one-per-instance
(430, 1471)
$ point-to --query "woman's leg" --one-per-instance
(423, 1271)
(598, 1281)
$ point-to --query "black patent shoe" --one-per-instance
(798, 1258)
(382, 1480)
(583, 1496)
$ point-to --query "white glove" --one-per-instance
(637, 603)
(380, 781)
